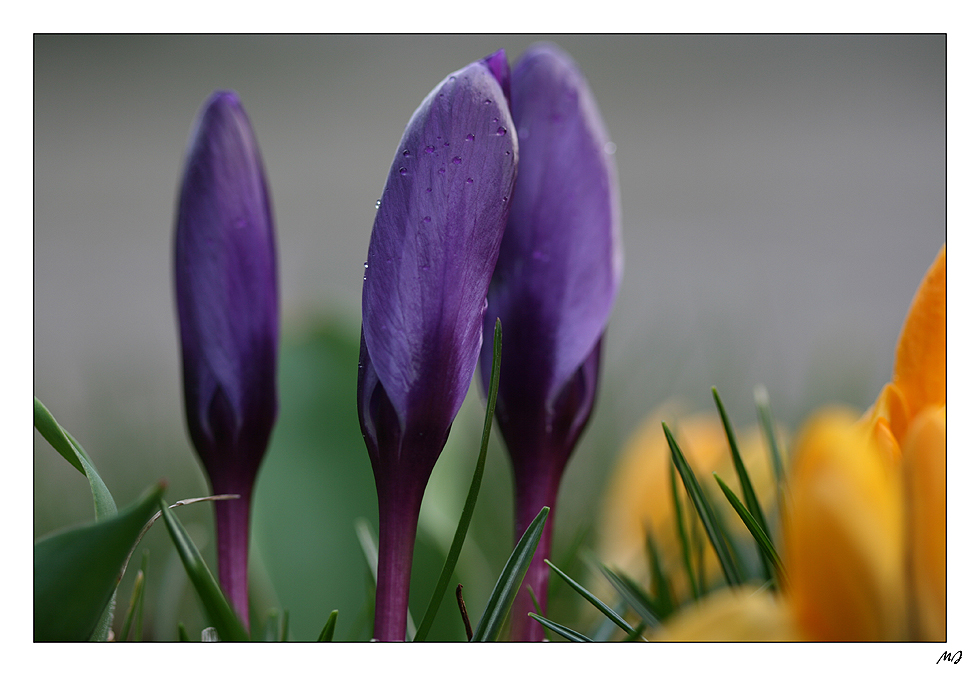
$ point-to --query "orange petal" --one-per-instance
(738, 615)
(925, 465)
(920, 358)
(886, 421)
(843, 535)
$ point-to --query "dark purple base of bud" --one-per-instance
(231, 519)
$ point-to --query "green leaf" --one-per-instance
(284, 634)
(682, 532)
(470, 504)
(505, 591)
(326, 636)
(182, 633)
(755, 529)
(764, 411)
(748, 492)
(135, 610)
(563, 631)
(216, 606)
(592, 598)
(77, 571)
(664, 595)
(634, 596)
(703, 508)
(65, 443)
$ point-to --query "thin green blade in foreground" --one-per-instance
(764, 410)
(326, 636)
(748, 492)
(505, 591)
(565, 632)
(635, 597)
(464, 519)
(765, 544)
(592, 598)
(704, 511)
(77, 571)
(65, 444)
(216, 606)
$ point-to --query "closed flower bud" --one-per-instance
(227, 306)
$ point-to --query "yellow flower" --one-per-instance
(864, 529)
(639, 496)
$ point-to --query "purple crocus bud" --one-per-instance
(557, 275)
(228, 309)
(433, 248)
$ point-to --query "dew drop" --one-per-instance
(377, 205)
(402, 171)
(426, 219)
(446, 144)
(470, 137)
(486, 102)
(506, 152)
(496, 120)
(469, 180)
(428, 189)
(405, 153)
(501, 131)
(457, 160)
(430, 149)
(365, 265)
(442, 170)
(425, 267)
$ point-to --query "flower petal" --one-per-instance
(843, 535)
(434, 244)
(925, 477)
(920, 358)
(561, 259)
(741, 614)
(226, 287)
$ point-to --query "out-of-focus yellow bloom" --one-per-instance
(639, 496)
(864, 529)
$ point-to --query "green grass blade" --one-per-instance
(537, 609)
(764, 411)
(225, 621)
(76, 571)
(326, 636)
(592, 598)
(284, 633)
(755, 529)
(664, 595)
(703, 508)
(182, 633)
(636, 634)
(748, 492)
(751, 502)
(72, 451)
(635, 597)
(470, 504)
(682, 532)
(509, 583)
(562, 631)
(135, 602)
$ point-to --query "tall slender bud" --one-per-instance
(228, 311)
(556, 279)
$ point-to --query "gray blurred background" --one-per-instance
(782, 197)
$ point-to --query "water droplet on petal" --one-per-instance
(470, 137)
(428, 189)
(442, 170)
(405, 153)
(469, 180)
(457, 160)
(402, 171)
(430, 149)
(501, 131)
(486, 102)
(426, 219)
(377, 205)
(365, 265)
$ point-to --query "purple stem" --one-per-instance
(231, 523)
(534, 488)
(399, 503)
